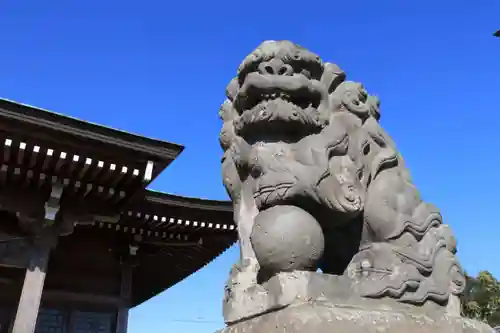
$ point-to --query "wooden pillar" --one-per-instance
(44, 240)
(29, 303)
(125, 295)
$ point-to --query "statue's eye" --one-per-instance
(306, 73)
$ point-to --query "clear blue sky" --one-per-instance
(159, 68)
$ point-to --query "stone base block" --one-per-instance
(325, 318)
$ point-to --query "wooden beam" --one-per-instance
(61, 296)
(125, 294)
(172, 244)
(148, 172)
(29, 303)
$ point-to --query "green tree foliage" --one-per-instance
(481, 298)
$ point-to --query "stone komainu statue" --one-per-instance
(317, 183)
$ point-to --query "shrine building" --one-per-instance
(82, 239)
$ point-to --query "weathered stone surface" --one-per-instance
(322, 317)
(304, 148)
(286, 238)
(295, 288)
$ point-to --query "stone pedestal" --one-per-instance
(323, 317)
(314, 302)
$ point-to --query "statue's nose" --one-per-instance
(275, 67)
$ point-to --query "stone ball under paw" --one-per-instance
(287, 238)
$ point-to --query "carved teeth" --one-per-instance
(282, 95)
(258, 102)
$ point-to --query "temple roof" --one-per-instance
(108, 171)
(33, 117)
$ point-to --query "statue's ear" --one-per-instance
(374, 103)
(332, 76)
(232, 89)
(227, 112)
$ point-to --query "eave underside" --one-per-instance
(77, 152)
(89, 262)
(155, 274)
(157, 212)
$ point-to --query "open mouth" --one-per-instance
(259, 100)
(280, 108)
(297, 89)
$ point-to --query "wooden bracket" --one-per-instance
(148, 172)
(52, 204)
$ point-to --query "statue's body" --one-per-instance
(317, 183)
